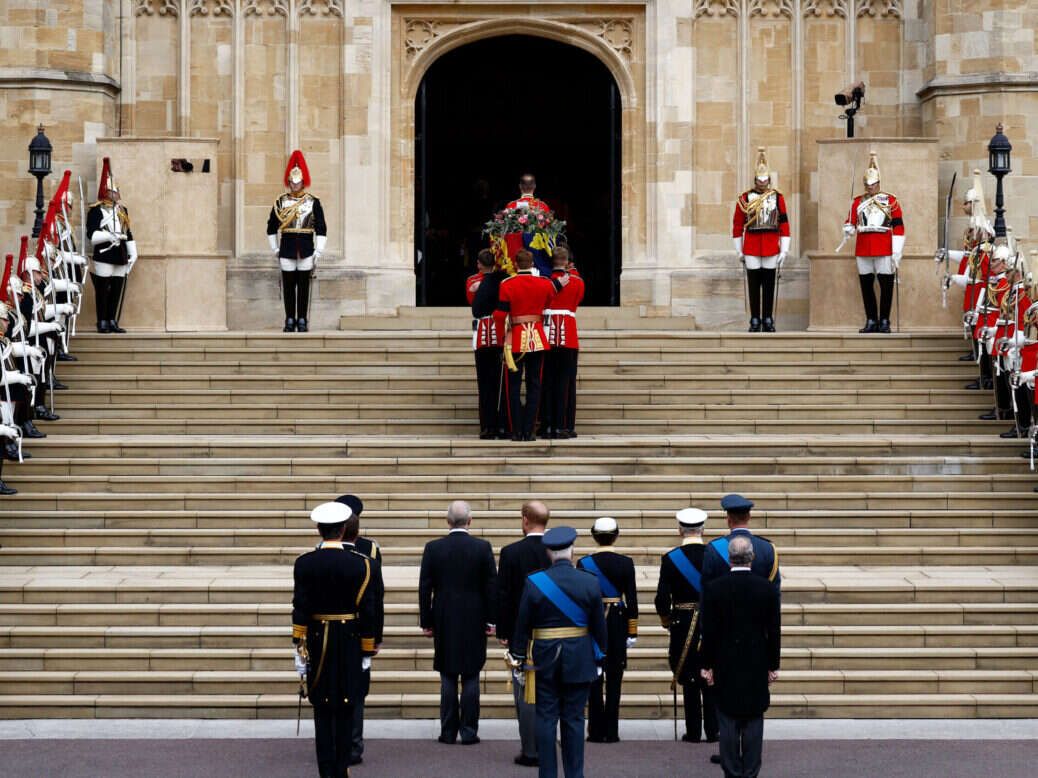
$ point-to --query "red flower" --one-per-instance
(522, 220)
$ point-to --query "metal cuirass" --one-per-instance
(874, 213)
(296, 214)
(763, 206)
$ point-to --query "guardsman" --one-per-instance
(679, 593)
(481, 290)
(988, 310)
(1026, 343)
(23, 361)
(876, 219)
(333, 628)
(558, 641)
(298, 216)
(115, 250)
(369, 548)
(976, 248)
(69, 265)
(616, 579)
(12, 381)
(522, 299)
(760, 233)
(44, 328)
(1010, 339)
(558, 411)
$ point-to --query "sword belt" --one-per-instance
(685, 606)
(324, 618)
(546, 633)
(612, 600)
(557, 633)
(334, 616)
(532, 319)
(694, 607)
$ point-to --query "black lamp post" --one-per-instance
(998, 166)
(39, 166)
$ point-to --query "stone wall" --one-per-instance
(703, 82)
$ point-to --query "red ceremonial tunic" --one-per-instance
(525, 294)
(761, 242)
(529, 201)
(1006, 329)
(875, 227)
(471, 285)
(562, 326)
(488, 333)
(997, 288)
(972, 294)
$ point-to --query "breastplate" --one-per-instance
(764, 206)
(874, 214)
(297, 213)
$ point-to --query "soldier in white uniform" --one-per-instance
(298, 216)
(115, 251)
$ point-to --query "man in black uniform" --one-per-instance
(620, 597)
(115, 250)
(678, 598)
(487, 340)
(557, 644)
(517, 561)
(370, 549)
(298, 216)
(457, 584)
(333, 627)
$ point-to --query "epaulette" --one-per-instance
(361, 554)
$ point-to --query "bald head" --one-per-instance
(740, 551)
(535, 516)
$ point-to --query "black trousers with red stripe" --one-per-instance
(522, 417)
(559, 397)
(488, 378)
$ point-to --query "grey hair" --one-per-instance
(555, 554)
(459, 513)
(740, 551)
(687, 532)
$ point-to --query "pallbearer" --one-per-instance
(558, 403)
(620, 597)
(678, 597)
(298, 217)
(876, 219)
(488, 335)
(333, 628)
(760, 233)
(115, 251)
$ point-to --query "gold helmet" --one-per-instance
(762, 173)
(872, 171)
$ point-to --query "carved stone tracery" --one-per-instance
(161, 7)
(825, 8)
(331, 7)
(255, 7)
(218, 8)
(771, 8)
(882, 8)
(716, 8)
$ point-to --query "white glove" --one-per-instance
(365, 664)
(781, 259)
(848, 229)
(959, 279)
(25, 350)
(320, 241)
(631, 642)
(599, 671)
(61, 309)
(1027, 376)
(273, 241)
(43, 327)
(104, 236)
(131, 254)
(737, 243)
(896, 259)
(9, 432)
(300, 664)
(1018, 339)
(12, 377)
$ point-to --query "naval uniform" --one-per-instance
(566, 652)
(616, 579)
(333, 611)
(678, 599)
(370, 549)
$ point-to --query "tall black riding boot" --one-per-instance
(768, 284)
(303, 295)
(288, 290)
(4, 488)
(753, 284)
(868, 298)
(115, 292)
(101, 301)
(886, 300)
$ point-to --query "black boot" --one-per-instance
(288, 289)
(41, 412)
(754, 324)
(883, 326)
(303, 297)
(989, 416)
(886, 299)
(6, 490)
(753, 286)
(114, 295)
(11, 452)
(29, 430)
(1012, 432)
(868, 298)
(64, 356)
(768, 304)
(101, 302)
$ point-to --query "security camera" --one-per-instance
(855, 93)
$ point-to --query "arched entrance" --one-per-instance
(488, 111)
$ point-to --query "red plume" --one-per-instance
(47, 232)
(22, 254)
(293, 161)
(102, 182)
(62, 188)
(5, 285)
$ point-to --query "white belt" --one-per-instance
(554, 312)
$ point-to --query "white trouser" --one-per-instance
(104, 270)
(304, 263)
(756, 263)
(881, 265)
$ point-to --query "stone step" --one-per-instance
(808, 624)
(501, 705)
(395, 659)
(602, 501)
(639, 542)
(791, 463)
(377, 522)
(427, 682)
(620, 485)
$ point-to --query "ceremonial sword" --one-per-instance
(853, 168)
(680, 667)
(947, 225)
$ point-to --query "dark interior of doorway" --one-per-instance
(491, 110)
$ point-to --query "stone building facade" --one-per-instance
(702, 83)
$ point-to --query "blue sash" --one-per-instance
(607, 587)
(687, 569)
(564, 603)
(721, 547)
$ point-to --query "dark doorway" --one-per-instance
(489, 111)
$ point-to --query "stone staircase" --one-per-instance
(145, 565)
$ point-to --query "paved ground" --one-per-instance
(401, 758)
